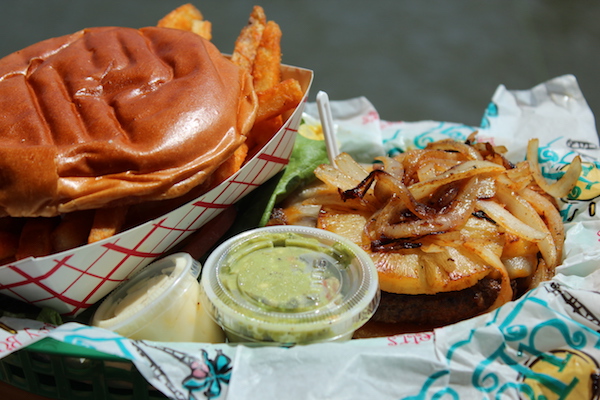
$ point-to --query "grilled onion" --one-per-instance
(445, 217)
(564, 185)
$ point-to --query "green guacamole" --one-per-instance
(285, 273)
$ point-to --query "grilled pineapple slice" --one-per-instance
(445, 266)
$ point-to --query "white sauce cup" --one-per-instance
(160, 303)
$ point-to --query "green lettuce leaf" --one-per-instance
(307, 155)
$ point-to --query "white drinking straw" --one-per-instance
(327, 124)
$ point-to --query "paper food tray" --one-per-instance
(73, 280)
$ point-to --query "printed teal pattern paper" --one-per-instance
(527, 349)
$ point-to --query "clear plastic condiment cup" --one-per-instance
(287, 285)
(160, 303)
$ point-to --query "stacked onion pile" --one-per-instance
(455, 229)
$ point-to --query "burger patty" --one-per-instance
(439, 309)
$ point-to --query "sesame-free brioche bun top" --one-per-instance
(114, 116)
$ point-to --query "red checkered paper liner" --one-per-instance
(73, 280)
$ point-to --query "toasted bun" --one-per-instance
(113, 116)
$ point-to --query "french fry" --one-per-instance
(246, 45)
(229, 166)
(266, 69)
(107, 222)
(262, 132)
(280, 98)
(266, 73)
(35, 239)
(187, 18)
(73, 230)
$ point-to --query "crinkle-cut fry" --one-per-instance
(187, 18)
(35, 239)
(246, 44)
(107, 222)
(73, 230)
(282, 97)
(230, 166)
(266, 69)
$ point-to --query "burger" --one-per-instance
(109, 127)
(114, 116)
(455, 229)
